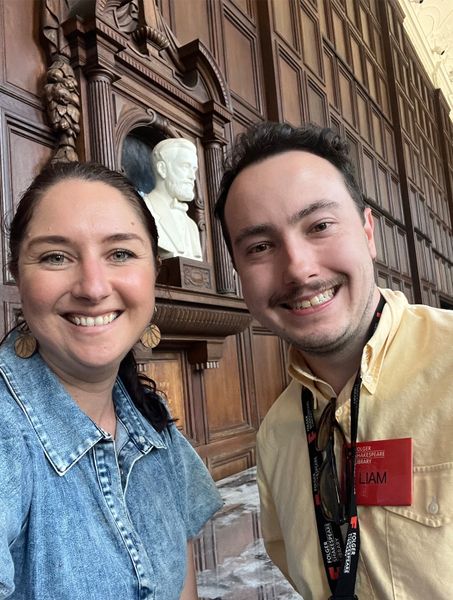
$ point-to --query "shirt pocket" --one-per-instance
(419, 537)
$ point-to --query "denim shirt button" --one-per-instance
(141, 439)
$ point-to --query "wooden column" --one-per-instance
(101, 117)
(223, 266)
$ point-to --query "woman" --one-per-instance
(99, 492)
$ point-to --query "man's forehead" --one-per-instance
(298, 160)
(289, 169)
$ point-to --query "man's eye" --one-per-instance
(321, 226)
(122, 255)
(262, 247)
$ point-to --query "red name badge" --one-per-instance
(384, 472)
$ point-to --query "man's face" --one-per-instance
(182, 167)
(303, 252)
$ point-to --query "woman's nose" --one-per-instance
(92, 281)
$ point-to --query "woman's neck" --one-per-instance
(94, 397)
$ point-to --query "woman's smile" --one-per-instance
(91, 320)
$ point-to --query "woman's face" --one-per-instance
(86, 278)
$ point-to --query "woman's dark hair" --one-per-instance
(267, 139)
(141, 388)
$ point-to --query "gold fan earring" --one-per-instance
(151, 337)
(26, 343)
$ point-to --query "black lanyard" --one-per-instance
(340, 557)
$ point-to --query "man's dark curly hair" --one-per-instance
(267, 139)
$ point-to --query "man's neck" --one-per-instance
(336, 370)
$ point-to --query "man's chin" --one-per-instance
(316, 344)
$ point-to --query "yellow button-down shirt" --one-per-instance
(407, 391)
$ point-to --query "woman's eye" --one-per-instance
(56, 258)
(122, 255)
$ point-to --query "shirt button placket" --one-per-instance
(109, 479)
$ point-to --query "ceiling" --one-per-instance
(429, 24)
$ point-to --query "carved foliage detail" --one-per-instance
(62, 101)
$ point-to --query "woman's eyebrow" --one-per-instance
(60, 239)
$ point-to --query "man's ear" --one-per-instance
(161, 168)
(368, 227)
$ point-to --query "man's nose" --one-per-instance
(299, 262)
(92, 281)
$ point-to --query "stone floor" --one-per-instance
(231, 561)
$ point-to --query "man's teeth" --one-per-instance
(93, 321)
(315, 301)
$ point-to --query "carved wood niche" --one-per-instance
(118, 83)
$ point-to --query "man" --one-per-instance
(174, 164)
(366, 367)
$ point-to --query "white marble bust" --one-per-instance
(174, 163)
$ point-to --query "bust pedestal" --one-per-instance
(187, 274)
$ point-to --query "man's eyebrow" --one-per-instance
(268, 228)
(311, 208)
(246, 232)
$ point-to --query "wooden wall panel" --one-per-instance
(285, 21)
(357, 60)
(383, 194)
(198, 22)
(269, 370)
(233, 462)
(347, 96)
(24, 58)
(292, 104)
(317, 109)
(339, 33)
(169, 371)
(25, 149)
(363, 117)
(231, 414)
(330, 78)
(241, 64)
(311, 43)
(27, 154)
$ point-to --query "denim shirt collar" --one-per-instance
(65, 432)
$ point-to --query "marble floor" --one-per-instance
(231, 561)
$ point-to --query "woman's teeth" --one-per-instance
(92, 321)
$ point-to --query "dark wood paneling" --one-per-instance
(232, 414)
(269, 370)
(24, 63)
(169, 371)
(25, 149)
(290, 80)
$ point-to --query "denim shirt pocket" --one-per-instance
(419, 537)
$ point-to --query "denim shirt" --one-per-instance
(81, 518)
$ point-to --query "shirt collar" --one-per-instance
(372, 357)
(65, 432)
